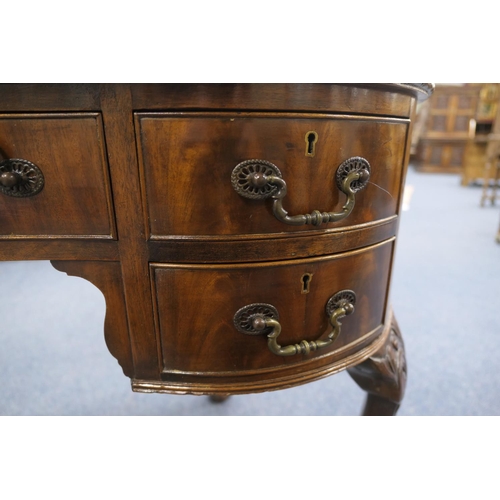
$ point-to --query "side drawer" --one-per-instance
(68, 152)
(187, 161)
(196, 307)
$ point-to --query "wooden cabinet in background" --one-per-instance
(447, 130)
(484, 144)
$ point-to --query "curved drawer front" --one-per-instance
(70, 171)
(197, 304)
(187, 161)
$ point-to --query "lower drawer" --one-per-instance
(201, 316)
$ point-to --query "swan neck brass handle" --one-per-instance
(255, 319)
(260, 179)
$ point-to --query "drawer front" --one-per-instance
(69, 155)
(196, 307)
(187, 162)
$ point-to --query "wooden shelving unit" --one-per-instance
(486, 137)
(448, 128)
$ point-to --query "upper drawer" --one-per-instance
(187, 161)
(68, 154)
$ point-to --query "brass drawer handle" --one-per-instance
(260, 179)
(256, 319)
(20, 178)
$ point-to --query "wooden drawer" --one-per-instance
(69, 151)
(187, 160)
(196, 306)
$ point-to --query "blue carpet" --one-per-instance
(445, 292)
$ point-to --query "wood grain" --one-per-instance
(286, 246)
(383, 375)
(69, 149)
(58, 249)
(338, 98)
(187, 161)
(138, 200)
(285, 378)
(106, 276)
(118, 125)
(196, 305)
(51, 97)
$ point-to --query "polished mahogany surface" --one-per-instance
(142, 189)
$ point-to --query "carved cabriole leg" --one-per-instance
(107, 277)
(383, 375)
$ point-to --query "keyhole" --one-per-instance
(311, 140)
(306, 282)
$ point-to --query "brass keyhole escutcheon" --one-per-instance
(311, 140)
(306, 282)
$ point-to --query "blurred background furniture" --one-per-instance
(491, 159)
(491, 170)
(478, 164)
(458, 131)
(447, 129)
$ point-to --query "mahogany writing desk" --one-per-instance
(242, 234)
